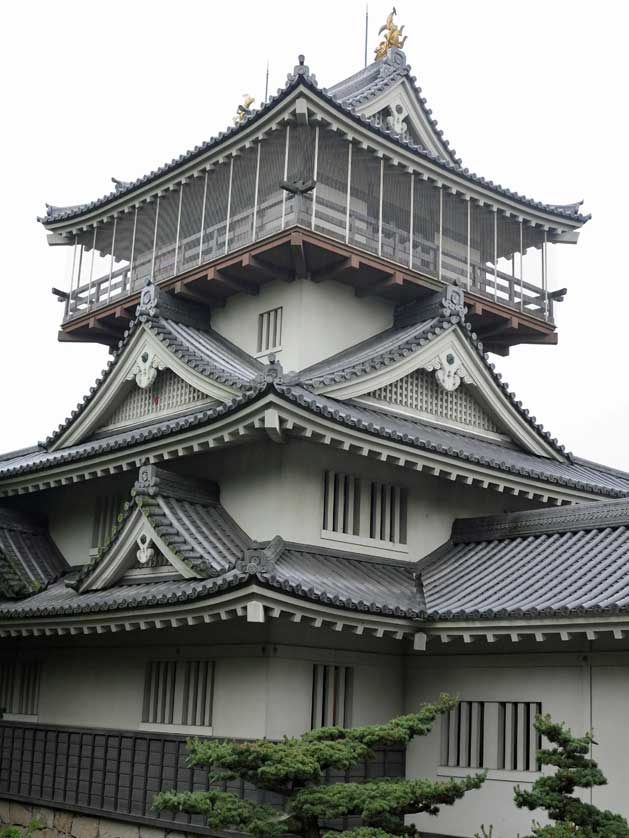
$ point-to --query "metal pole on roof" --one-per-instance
(440, 188)
(135, 224)
(207, 172)
(366, 30)
(349, 181)
(411, 220)
(380, 207)
(544, 272)
(69, 297)
(154, 240)
(255, 197)
(469, 240)
(89, 286)
(178, 228)
(495, 253)
(315, 172)
(285, 173)
(266, 84)
(521, 265)
(111, 261)
(229, 202)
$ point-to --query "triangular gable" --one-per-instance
(400, 109)
(141, 365)
(453, 359)
(172, 526)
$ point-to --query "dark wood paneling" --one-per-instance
(117, 773)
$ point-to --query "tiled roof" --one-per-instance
(297, 78)
(29, 560)
(393, 345)
(187, 517)
(561, 562)
(378, 77)
(179, 327)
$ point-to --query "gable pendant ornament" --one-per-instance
(449, 370)
(145, 369)
(145, 553)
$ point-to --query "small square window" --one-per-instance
(270, 330)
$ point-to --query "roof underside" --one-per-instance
(341, 98)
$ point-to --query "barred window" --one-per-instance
(364, 508)
(331, 696)
(270, 330)
(178, 693)
(19, 687)
(491, 734)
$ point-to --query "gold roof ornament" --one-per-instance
(244, 110)
(392, 37)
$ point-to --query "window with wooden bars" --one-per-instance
(270, 330)
(491, 734)
(178, 693)
(19, 687)
(331, 696)
(364, 509)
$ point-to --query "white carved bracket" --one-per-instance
(146, 368)
(145, 553)
(449, 370)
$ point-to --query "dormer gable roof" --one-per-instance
(165, 334)
(389, 85)
(437, 339)
(172, 523)
(29, 559)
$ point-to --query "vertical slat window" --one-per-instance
(332, 170)
(143, 247)
(19, 687)
(7, 686)
(396, 216)
(166, 239)
(243, 199)
(270, 193)
(300, 167)
(215, 220)
(425, 226)
(190, 223)
(364, 212)
(178, 693)
(363, 508)
(454, 240)
(270, 330)
(332, 696)
(494, 735)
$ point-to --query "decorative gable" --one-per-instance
(166, 394)
(420, 392)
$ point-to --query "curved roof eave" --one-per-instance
(59, 217)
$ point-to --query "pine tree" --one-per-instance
(295, 769)
(555, 792)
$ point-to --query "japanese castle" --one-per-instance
(300, 494)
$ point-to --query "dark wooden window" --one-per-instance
(178, 692)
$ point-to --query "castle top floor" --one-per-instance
(355, 184)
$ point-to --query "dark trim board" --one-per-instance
(116, 773)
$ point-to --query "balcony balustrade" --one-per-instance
(359, 199)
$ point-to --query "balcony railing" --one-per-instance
(117, 773)
(358, 199)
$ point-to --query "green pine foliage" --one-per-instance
(295, 768)
(555, 792)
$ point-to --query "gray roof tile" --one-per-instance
(29, 559)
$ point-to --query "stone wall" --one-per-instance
(58, 823)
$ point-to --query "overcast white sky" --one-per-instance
(531, 95)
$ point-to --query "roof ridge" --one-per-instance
(581, 516)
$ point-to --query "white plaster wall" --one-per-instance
(318, 319)
(560, 682)
(275, 489)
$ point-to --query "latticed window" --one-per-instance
(19, 687)
(178, 693)
(491, 734)
(368, 509)
(421, 391)
(332, 688)
(270, 330)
